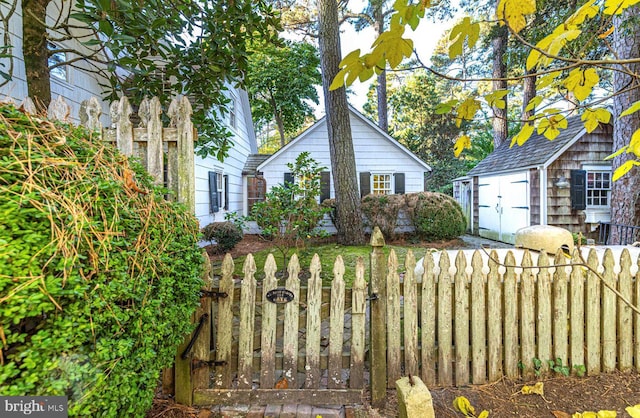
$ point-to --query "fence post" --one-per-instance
(180, 113)
(190, 374)
(378, 296)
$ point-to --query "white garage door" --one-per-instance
(503, 205)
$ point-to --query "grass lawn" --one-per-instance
(328, 252)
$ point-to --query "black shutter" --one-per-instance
(288, 178)
(214, 205)
(578, 189)
(226, 192)
(325, 186)
(399, 180)
(365, 183)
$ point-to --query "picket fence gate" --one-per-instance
(464, 321)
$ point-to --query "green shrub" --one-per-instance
(435, 216)
(225, 234)
(290, 213)
(97, 281)
(382, 211)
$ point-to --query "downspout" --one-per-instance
(542, 171)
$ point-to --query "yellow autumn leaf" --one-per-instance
(495, 98)
(521, 137)
(393, 46)
(586, 11)
(350, 68)
(612, 7)
(467, 110)
(464, 30)
(547, 80)
(624, 169)
(607, 32)
(634, 411)
(580, 82)
(551, 44)
(631, 109)
(462, 404)
(484, 414)
(634, 144)
(533, 103)
(551, 125)
(593, 117)
(514, 12)
(606, 414)
(463, 142)
(618, 152)
(537, 389)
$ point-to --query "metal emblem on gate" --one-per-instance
(279, 295)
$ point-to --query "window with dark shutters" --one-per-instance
(365, 183)
(214, 205)
(325, 186)
(399, 180)
(578, 189)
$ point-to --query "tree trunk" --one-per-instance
(528, 93)
(624, 192)
(343, 163)
(500, 126)
(279, 122)
(35, 51)
(383, 118)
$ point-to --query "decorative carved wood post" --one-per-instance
(150, 111)
(378, 296)
(180, 114)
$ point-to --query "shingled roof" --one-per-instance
(253, 161)
(537, 151)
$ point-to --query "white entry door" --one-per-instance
(503, 205)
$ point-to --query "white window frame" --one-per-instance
(221, 194)
(60, 73)
(381, 186)
(233, 112)
(598, 184)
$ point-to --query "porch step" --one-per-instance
(278, 411)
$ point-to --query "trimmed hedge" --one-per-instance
(226, 235)
(98, 280)
(435, 216)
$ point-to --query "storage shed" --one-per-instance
(563, 182)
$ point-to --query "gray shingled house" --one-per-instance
(564, 182)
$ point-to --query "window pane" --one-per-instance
(598, 187)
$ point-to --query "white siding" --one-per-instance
(80, 85)
(243, 145)
(374, 153)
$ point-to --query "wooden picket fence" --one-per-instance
(166, 152)
(471, 318)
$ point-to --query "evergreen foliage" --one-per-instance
(98, 279)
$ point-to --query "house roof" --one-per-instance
(536, 151)
(364, 119)
(252, 163)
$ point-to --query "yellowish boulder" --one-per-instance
(544, 238)
(414, 399)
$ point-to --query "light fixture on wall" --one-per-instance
(562, 183)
